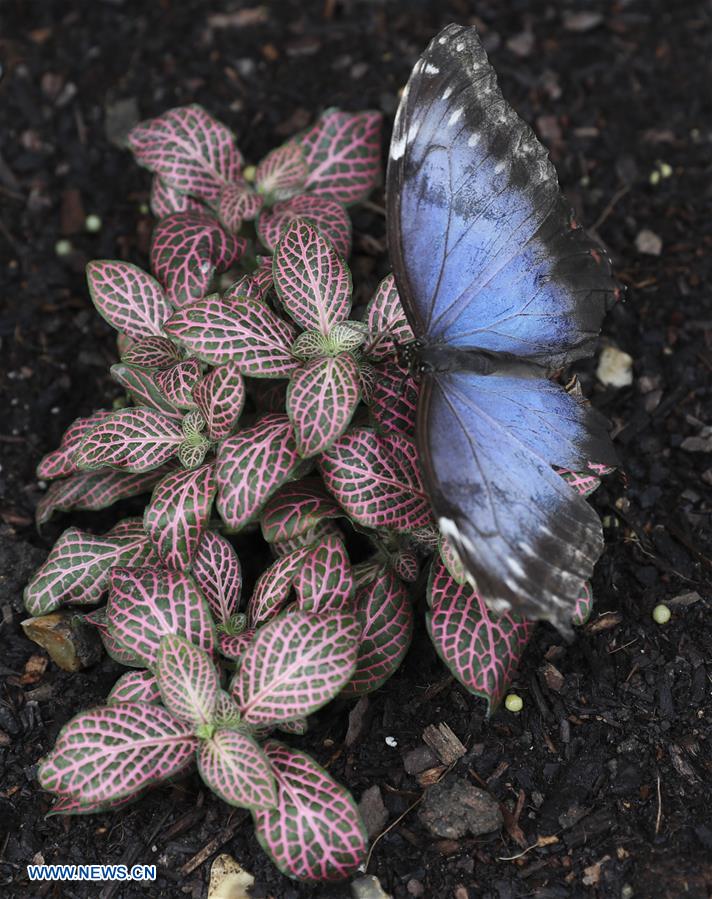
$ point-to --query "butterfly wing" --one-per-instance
(485, 250)
(487, 445)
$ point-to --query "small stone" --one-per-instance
(514, 703)
(63, 248)
(415, 888)
(521, 44)
(71, 644)
(419, 759)
(661, 614)
(582, 21)
(229, 880)
(615, 368)
(648, 242)
(373, 812)
(553, 677)
(453, 808)
(120, 117)
(368, 887)
(685, 599)
(92, 224)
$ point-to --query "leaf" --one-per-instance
(187, 680)
(406, 565)
(216, 570)
(315, 833)
(482, 651)
(128, 298)
(114, 649)
(68, 805)
(165, 200)
(142, 388)
(113, 751)
(452, 561)
(235, 768)
(135, 439)
(220, 396)
(178, 514)
(93, 490)
(189, 149)
(77, 568)
(244, 332)
(146, 604)
(187, 249)
(273, 587)
(152, 352)
(324, 581)
(387, 325)
(296, 664)
(135, 686)
(295, 509)
(394, 401)
(238, 203)
(328, 217)
(234, 646)
(321, 400)
(177, 382)
(60, 462)
(252, 465)
(343, 154)
(583, 482)
(376, 480)
(312, 281)
(386, 618)
(583, 608)
(282, 172)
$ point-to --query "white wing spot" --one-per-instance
(398, 146)
(430, 69)
(455, 117)
(442, 40)
(499, 168)
(526, 549)
(460, 46)
(473, 140)
(447, 92)
(515, 567)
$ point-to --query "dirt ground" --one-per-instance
(613, 764)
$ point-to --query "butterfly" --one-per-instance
(501, 288)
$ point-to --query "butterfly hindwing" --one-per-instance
(485, 250)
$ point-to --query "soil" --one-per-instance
(612, 763)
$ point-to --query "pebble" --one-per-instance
(453, 808)
(368, 887)
(615, 368)
(648, 242)
(419, 759)
(373, 812)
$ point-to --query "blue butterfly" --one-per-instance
(501, 288)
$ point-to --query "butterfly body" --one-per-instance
(501, 288)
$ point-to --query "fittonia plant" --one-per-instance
(265, 407)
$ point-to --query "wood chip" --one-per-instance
(444, 743)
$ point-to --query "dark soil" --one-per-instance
(615, 766)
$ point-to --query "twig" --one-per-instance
(618, 195)
(660, 808)
(213, 845)
(389, 828)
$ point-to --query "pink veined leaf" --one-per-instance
(583, 608)
(220, 396)
(343, 154)
(327, 216)
(136, 439)
(386, 618)
(69, 805)
(599, 469)
(367, 379)
(406, 566)
(128, 298)
(60, 462)
(296, 664)
(187, 249)
(376, 480)
(178, 514)
(315, 833)
(234, 646)
(298, 727)
(152, 352)
(252, 465)
(146, 604)
(177, 382)
(216, 570)
(263, 275)
(116, 750)
(274, 586)
(394, 401)
(78, 566)
(321, 531)
(187, 680)
(452, 561)
(114, 649)
(189, 149)
(482, 651)
(93, 490)
(321, 400)
(296, 509)
(245, 332)
(238, 203)
(282, 172)
(226, 712)
(244, 288)
(165, 200)
(312, 281)
(324, 581)
(583, 482)
(387, 324)
(235, 768)
(142, 388)
(135, 686)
